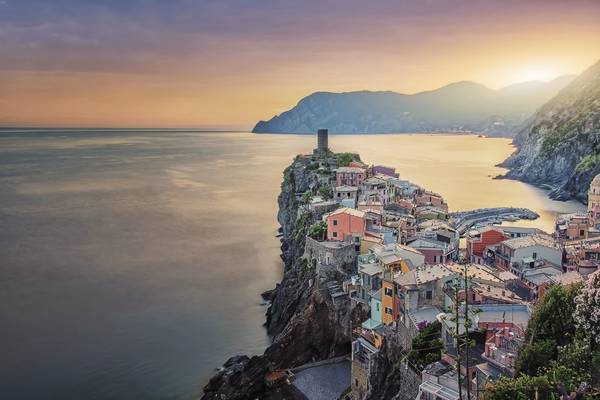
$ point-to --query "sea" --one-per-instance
(132, 261)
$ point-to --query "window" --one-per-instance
(534, 255)
(389, 291)
(434, 258)
(334, 222)
(334, 234)
(376, 306)
(429, 295)
(389, 311)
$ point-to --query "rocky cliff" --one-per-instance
(391, 377)
(559, 147)
(461, 106)
(302, 319)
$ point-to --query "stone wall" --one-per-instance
(330, 256)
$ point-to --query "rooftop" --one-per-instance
(568, 278)
(475, 271)
(424, 314)
(529, 241)
(370, 269)
(423, 274)
(354, 170)
(346, 188)
(350, 211)
(497, 293)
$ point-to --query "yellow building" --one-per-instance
(389, 295)
(594, 194)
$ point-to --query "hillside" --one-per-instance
(461, 106)
(559, 147)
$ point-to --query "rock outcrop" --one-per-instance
(461, 106)
(559, 147)
(304, 321)
(390, 376)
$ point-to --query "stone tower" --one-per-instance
(322, 140)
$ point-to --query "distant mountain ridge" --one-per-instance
(559, 147)
(460, 106)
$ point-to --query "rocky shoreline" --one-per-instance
(558, 149)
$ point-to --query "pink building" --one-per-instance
(369, 204)
(382, 169)
(572, 226)
(429, 198)
(346, 224)
(350, 176)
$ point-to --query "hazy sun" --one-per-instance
(536, 74)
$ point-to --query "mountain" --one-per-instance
(559, 147)
(460, 106)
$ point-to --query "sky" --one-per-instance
(227, 64)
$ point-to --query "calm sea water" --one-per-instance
(131, 262)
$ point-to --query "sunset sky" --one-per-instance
(227, 64)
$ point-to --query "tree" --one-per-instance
(523, 387)
(587, 319)
(326, 192)
(553, 316)
(345, 158)
(318, 230)
(533, 357)
(426, 346)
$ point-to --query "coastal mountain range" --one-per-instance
(559, 147)
(458, 107)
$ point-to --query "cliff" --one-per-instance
(391, 377)
(303, 320)
(559, 147)
(461, 106)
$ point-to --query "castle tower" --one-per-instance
(322, 140)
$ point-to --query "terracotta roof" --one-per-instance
(348, 210)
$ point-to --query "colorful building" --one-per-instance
(526, 250)
(572, 226)
(346, 224)
(478, 240)
(350, 176)
(383, 170)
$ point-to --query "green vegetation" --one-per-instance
(307, 197)
(426, 346)
(318, 231)
(326, 192)
(301, 226)
(288, 176)
(588, 162)
(344, 159)
(560, 131)
(313, 166)
(559, 349)
(304, 266)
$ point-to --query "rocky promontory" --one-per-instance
(304, 322)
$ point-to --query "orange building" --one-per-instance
(478, 240)
(390, 302)
(346, 224)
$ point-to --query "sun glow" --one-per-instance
(536, 74)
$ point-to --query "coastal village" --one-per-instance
(393, 248)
